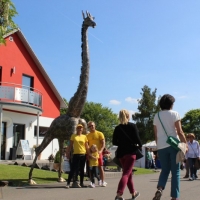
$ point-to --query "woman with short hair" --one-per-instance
(167, 154)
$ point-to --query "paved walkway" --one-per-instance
(145, 184)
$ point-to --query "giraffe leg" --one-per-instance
(31, 181)
(60, 179)
(39, 150)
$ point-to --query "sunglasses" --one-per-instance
(90, 126)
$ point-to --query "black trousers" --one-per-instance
(94, 173)
(78, 164)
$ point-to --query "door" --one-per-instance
(3, 141)
(18, 134)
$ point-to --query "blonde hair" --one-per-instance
(93, 146)
(124, 116)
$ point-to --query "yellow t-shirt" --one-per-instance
(95, 138)
(93, 162)
(79, 143)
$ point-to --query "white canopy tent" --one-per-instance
(151, 144)
(141, 162)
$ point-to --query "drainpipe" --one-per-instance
(37, 129)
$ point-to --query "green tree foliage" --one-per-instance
(148, 107)
(103, 117)
(7, 12)
(64, 110)
(191, 122)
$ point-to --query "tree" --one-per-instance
(147, 107)
(103, 117)
(191, 122)
(64, 110)
(7, 12)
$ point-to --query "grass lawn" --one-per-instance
(18, 175)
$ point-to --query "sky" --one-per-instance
(135, 43)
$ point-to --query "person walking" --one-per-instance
(126, 152)
(79, 143)
(97, 137)
(192, 154)
(167, 154)
(148, 158)
(187, 168)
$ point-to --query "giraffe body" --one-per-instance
(64, 126)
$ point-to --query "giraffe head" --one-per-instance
(89, 20)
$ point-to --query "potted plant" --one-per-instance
(57, 161)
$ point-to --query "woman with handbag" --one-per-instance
(127, 139)
(168, 123)
(193, 156)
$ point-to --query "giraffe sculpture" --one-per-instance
(64, 126)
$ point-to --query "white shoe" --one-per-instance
(104, 184)
(92, 185)
(100, 183)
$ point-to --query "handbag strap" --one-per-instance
(162, 125)
(126, 135)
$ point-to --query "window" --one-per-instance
(42, 131)
(27, 82)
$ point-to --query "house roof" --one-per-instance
(39, 65)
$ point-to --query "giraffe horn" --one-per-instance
(83, 15)
(87, 13)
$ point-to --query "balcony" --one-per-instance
(20, 98)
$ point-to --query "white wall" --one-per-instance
(27, 120)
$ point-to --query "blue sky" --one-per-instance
(135, 43)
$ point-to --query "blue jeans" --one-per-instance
(193, 171)
(167, 158)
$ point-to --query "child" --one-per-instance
(106, 157)
(93, 164)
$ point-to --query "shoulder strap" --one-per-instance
(126, 134)
(162, 124)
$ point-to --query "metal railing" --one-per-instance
(11, 92)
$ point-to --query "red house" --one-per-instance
(29, 100)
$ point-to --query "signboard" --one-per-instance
(24, 149)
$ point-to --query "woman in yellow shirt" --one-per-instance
(79, 143)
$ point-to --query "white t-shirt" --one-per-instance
(168, 118)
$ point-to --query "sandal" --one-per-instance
(158, 195)
(137, 194)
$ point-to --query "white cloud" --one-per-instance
(114, 102)
(182, 97)
(131, 100)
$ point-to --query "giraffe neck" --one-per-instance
(77, 102)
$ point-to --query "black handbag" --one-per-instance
(117, 162)
(137, 152)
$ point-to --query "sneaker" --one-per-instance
(137, 194)
(76, 185)
(191, 179)
(100, 183)
(158, 195)
(119, 198)
(104, 184)
(67, 186)
(92, 185)
(196, 176)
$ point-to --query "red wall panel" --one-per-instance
(14, 54)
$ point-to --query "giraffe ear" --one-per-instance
(83, 15)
